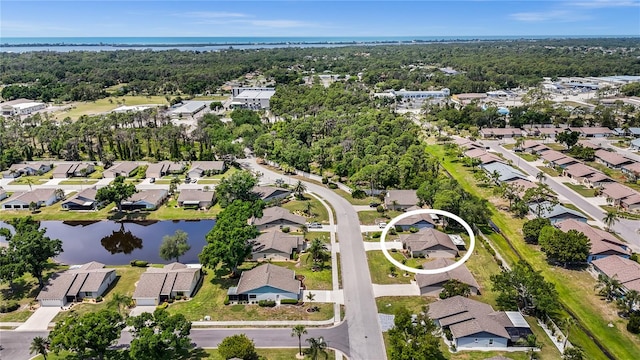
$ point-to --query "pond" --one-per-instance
(117, 243)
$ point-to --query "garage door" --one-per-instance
(51, 303)
(146, 301)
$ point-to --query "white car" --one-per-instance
(382, 225)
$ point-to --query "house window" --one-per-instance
(490, 341)
(252, 296)
(475, 340)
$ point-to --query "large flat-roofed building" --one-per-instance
(21, 107)
(252, 98)
(236, 90)
(189, 108)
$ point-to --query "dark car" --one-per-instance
(374, 204)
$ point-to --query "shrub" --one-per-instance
(325, 180)
(9, 306)
(332, 185)
(227, 301)
(170, 301)
(635, 257)
(286, 229)
(358, 194)
(99, 299)
(376, 235)
(413, 230)
(499, 262)
(139, 263)
(289, 301)
(392, 231)
(380, 209)
(266, 303)
(162, 306)
(634, 323)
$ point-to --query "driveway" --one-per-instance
(40, 319)
(136, 311)
(396, 289)
(370, 228)
(369, 246)
(324, 296)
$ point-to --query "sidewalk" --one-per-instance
(264, 323)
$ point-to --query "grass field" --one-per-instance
(78, 181)
(379, 267)
(391, 304)
(587, 307)
(318, 211)
(313, 280)
(209, 301)
(527, 156)
(33, 180)
(549, 171)
(580, 189)
(373, 217)
(78, 109)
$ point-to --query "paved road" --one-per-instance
(15, 345)
(627, 229)
(365, 334)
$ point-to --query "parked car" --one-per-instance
(152, 180)
(382, 225)
(374, 204)
(314, 225)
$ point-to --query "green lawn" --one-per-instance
(230, 171)
(556, 146)
(78, 181)
(318, 211)
(313, 280)
(322, 235)
(549, 171)
(107, 104)
(33, 180)
(25, 290)
(622, 214)
(353, 201)
(391, 304)
(373, 217)
(203, 182)
(527, 156)
(587, 307)
(209, 301)
(379, 267)
(482, 265)
(55, 212)
(581, 189)
(127, 276)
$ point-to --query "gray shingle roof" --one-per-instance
(193, 195)
(466, 317)
(277, 213)
(276, 240)
(402, 197)
(171, 277)
(427, 238)
(461, 273)
(267, 191)
(268, 275)
(86, 278)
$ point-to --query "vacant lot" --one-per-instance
(77, 109)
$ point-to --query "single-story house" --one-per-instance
(624, 270)
(400, 199)
(635, 144)
(84, 200)
(28, 169)
(612, 159)
(429, 242)
(521, 185)
(42, 197)
(276, 245)
(505, 172)
(277, 217)
(588, 144)
(555, 213)
(597, 179)
(546, 132)
(564, 162)
(603, 244)
(266, 282)
(529, 145)
(77, 169)
(578, 172)
(418, 221)
(594, 131)
(632, 170)
(475, 152)
(158, 170)
(616, 192)
(205, 168)
(195, 198)
(552, 155)
(270, 193)
(467, 144)
(157, 285)
(631, 202)
(125, 169)
(145, 199)
(87, 281)
(432, 284)
(500, 133)
(476, 325)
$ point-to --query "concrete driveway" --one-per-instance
(324, 296)
(141, 309)
(369, 246)
(396, 289)
(40, 319)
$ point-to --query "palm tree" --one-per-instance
(299, 188)
(540, 176)
(308, 206)
(628, 302)
(29, 182)
(39, 345)
(311, 296)
(610, 219)
(608, 287)
(298, 331)
(567, 323)
(121, 301)
(316, 347)
(316, 250)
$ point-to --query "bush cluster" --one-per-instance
(266, 303)
(227, 301)
(139, 263)
(332, 185)
(286, 229)
(289, 301)
(8, 306)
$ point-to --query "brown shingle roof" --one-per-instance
(276, 240)
(552, 155)
(86, 278)
(601, 241)
(625, 270)
(466, 317)
(461, 273)
(612, 158)
(154, 196)
(579, 170)
(617, 191)
(426, 239)
(402, 197)
(171, 277)
(34, 195)
(478, 325)
(500, 131)
(268, 275)
(277, 213)
(633, 168)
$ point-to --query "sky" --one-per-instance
(213, 18)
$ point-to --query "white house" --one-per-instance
(266, 282)
(87, 281)
(253, 98)
(21, 107)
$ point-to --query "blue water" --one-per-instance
(23, 44)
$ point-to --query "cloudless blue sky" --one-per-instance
(91, 18)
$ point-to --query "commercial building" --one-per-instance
(21, 107)
(252, 98)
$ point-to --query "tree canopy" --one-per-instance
(564, 247)
(237, 346)
(238, 186)
(159, 336)
(414, 340)
(116, 192)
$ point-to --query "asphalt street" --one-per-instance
(627, 229)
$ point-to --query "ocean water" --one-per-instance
(25, 44)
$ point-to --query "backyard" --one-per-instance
(299, 207)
